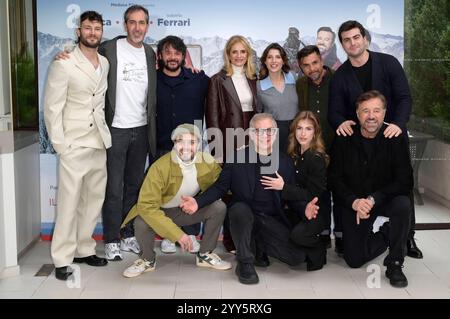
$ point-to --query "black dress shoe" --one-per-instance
(339, 246)
(63, 273)
(412, 250)
(396, 276)
(246, 273)
(262, 260)
(91, 261)
(316, 259)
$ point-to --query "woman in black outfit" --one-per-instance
(306, 148)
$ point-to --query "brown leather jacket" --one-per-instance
(223, 108)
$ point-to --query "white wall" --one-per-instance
(434, 171)
(28, 216)
(8, 241)
(8, 238)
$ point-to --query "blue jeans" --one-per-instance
(125, 164)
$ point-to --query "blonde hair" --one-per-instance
(317, 143)
(249, 67)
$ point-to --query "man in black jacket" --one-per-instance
(372, 176)
(363, 71)
(258, 223)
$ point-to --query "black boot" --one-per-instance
(412, 250)
(396, 276)
(316, 258)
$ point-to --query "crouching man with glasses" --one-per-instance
(258, 224)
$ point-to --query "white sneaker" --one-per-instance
(195, 245)
(130, 244)
(112, 251)
(212, 260)
(168, 247)
(138, 267)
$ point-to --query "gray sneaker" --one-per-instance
(139, 267)
(112, 251)
(130, 244)
(212, 260)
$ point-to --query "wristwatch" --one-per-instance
(370, 197)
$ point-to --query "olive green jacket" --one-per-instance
(161, 184)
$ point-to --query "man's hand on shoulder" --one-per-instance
(392, 131)
(63, 55)
(345, 128)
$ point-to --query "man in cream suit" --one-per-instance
(75, 120)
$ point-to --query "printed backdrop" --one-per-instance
(205, 26)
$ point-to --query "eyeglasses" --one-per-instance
(268, 131)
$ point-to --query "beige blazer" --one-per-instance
(74, 103)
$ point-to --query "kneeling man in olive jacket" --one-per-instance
(183, 172)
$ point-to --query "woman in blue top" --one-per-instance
(276, 92)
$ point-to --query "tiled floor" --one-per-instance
(176, 276)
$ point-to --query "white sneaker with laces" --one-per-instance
(112, 251)
(212, 260)
(195, 245)
(139, 267)
(130, 244)
(168, 247)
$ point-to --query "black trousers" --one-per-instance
(329, 207)
(256, 232)
(362, 245)
(125, 168)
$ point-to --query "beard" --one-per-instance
(315, 76)
(88, 44)
(166, 66)
(322, 48)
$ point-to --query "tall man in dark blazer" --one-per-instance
(364, 71)
(372, 176)
(258, 224)
(130, 114)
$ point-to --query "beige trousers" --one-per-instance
(81, 192)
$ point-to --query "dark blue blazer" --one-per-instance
(388, 77)
(179, 104)
(240, 178)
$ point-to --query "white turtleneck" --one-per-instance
(189, 185)
(242, 88)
